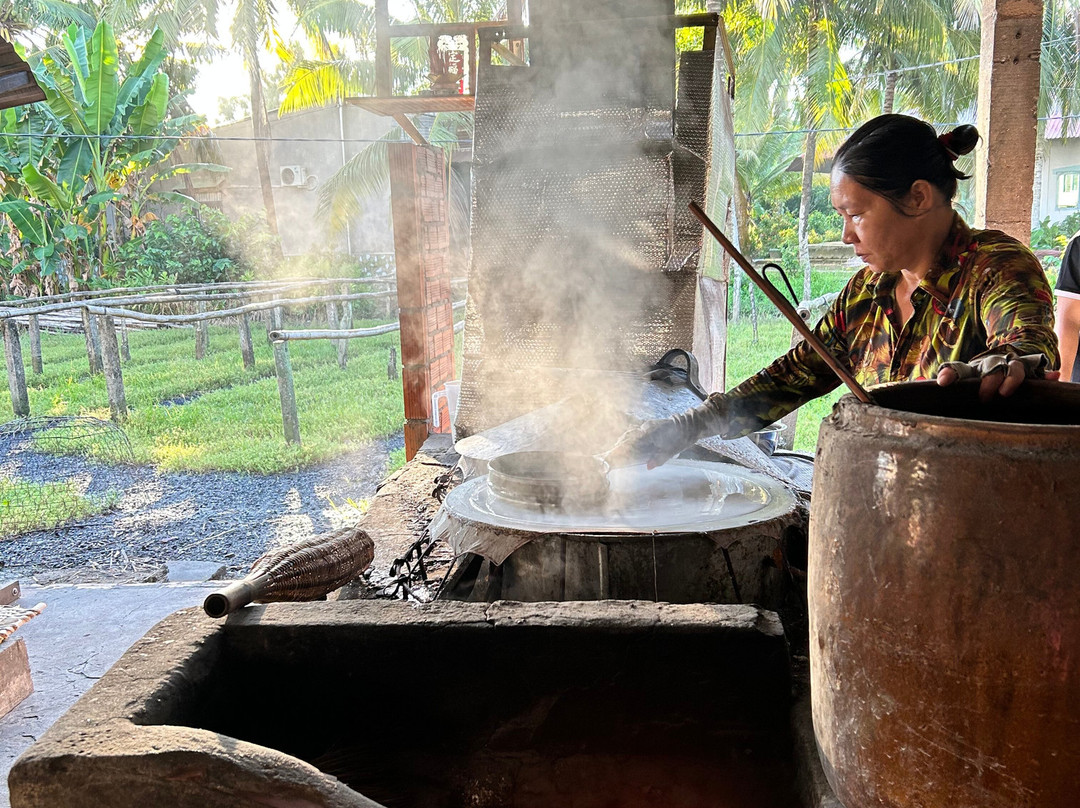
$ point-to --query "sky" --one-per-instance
(226, 77)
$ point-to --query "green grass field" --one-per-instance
(188, 415)
(212, 414)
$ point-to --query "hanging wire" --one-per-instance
(216, 139)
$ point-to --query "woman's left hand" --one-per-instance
(1001, 374)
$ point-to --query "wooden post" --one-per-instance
(202, 334)
(93, 341)
(345, 324)
(110, 362)
(421, 244)
(125, 351)
(247, 350)
(391, 365)
(384, 79)
(1007, 115)
(35, 345)
(333, 322)
(16, 373)
(290, 419)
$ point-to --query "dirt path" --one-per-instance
(223, 518)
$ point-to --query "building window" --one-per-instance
(1068, 195)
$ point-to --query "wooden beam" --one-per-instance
(403, 121)
(1007, 115)
(15, 681)
(508, 55)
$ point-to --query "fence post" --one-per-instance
(93, 341)
(290, 420)
(16, 373)
(346, 323)
(247, 350)
(202, 335)
(110, 362)
(125, 351)
(35, 344)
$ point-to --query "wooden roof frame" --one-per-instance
(17, 83)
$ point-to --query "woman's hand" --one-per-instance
(656, 442)
(1001, 374)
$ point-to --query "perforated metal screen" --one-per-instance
(584, 255)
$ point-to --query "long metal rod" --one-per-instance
(785, 308)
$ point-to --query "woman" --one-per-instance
(934, 299)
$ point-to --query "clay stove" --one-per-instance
(689, 531)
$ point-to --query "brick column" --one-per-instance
(1007, 115)
(421, 243)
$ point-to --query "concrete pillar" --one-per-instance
(1007, 117)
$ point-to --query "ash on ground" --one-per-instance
(223, 519)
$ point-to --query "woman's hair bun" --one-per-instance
(963, 139)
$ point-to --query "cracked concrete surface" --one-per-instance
(84, 630)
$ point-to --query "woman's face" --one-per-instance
(884, 238)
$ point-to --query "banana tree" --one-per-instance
(74, 183)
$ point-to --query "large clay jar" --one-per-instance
(944, 588)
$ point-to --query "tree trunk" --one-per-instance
(260, 127)
(890, 92)
(804, 209)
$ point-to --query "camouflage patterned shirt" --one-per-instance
(987, 294)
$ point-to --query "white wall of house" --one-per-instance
(306, 150)
(1059, 181)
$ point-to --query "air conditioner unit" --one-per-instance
(293, 176)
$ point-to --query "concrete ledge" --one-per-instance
(203, 713)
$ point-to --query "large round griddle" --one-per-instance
(679, 497)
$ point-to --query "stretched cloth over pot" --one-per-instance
(584, 255)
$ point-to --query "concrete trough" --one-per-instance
(368, 703)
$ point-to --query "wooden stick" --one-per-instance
(176, 288)
(99, 306)
(784, 306)
(335, 334)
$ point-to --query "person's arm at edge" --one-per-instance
(1067, 325)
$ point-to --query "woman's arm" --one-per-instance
(1016, 310)
(790, 381)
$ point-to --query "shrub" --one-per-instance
(185, 247)
(1048, 236)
